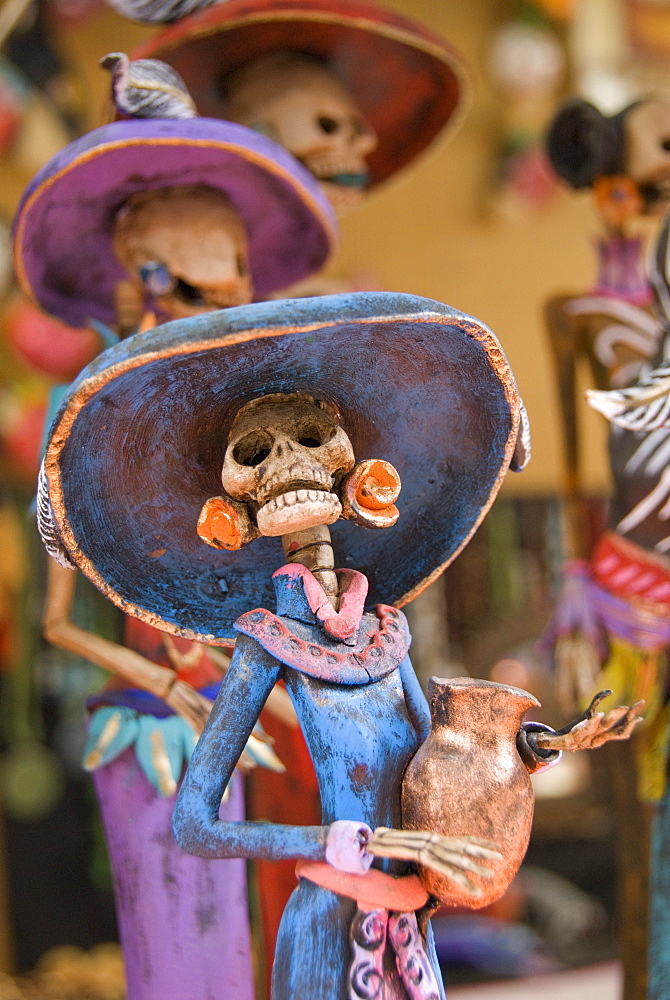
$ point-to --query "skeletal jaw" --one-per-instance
(343, 179)
(296, 510)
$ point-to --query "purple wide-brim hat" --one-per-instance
(63, 252)
(138, 445)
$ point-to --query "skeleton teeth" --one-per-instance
(328, 165)
(295, 472)
(293, 497)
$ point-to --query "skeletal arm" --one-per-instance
(197, 828)
(592, 729)
(60, 630)
(279, 703)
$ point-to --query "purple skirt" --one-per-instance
(183, 921)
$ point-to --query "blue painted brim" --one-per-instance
(138, 445)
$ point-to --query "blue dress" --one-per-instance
(364, 716)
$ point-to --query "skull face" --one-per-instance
(285, 453)
(297, 101)
(187, 248)
(647, 155)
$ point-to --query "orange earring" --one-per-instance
(369, 493)
(225, 524)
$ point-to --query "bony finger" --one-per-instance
(616, 714)
(467, 850)
(484, 849)
(460, 861)
(458, 877)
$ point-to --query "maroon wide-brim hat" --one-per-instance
(63, 251)
(405, 80)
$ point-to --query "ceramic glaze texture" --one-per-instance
(468, 779)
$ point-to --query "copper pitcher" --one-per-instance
(468, 779)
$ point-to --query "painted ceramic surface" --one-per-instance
(468, 778)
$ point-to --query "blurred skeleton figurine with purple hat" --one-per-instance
(167, 217)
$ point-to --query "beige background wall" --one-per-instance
(431, 231)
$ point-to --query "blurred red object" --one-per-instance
(48, 345)
(21, 430)
(11, 109)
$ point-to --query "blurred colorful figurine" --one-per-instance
(275, 404)
(140, 222)
(610, 628)
(640, 413)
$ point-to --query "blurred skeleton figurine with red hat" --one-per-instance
(353, 90)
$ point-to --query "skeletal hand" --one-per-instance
(593, 728)
(453, 857)
(189, 704)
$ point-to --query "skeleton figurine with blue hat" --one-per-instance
(235, 443)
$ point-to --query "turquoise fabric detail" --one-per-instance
(163, 747)
(168, 742)
(110, 732)
(160, 751)
(190, 740)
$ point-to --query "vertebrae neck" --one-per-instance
(312, 548)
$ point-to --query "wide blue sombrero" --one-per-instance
(138, 444)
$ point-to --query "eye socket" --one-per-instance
(360, 127)
(242, 268)
(253, 448)
(327, 124)
(188, 293)
(314, 436)
(665, 144)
